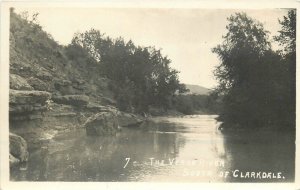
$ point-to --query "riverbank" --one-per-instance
(37, 128)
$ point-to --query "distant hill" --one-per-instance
(196, 89)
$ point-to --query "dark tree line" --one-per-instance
(141, 76)
(256, 83)
(197, 104)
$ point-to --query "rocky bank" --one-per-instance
(38, 116)
(50, 93)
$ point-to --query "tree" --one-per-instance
(287, 39)
(287, 34)
(245, 38)
(256, 82)
(243, 48)
(142, 76)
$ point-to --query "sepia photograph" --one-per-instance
(151, 94)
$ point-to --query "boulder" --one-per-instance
(18, 83)
(104, 123)
(129, 120)
(13, 160)
(28, 97)
(18, 148)
(74, 100)
(38, 84)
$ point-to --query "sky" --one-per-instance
(186, 36)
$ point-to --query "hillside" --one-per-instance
(47, 66)
(196, 89)
(53, 89)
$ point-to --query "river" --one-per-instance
(179, 149)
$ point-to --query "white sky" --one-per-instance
(185, 35)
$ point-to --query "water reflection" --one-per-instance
(187, 149)
(259, 153)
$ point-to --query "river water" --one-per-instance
(181, 149)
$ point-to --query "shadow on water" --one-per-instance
(260, 152)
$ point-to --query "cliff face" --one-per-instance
(46, 66)
(49, 92)
(53, 89)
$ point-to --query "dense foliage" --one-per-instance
(257, 84)
(141, 76)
